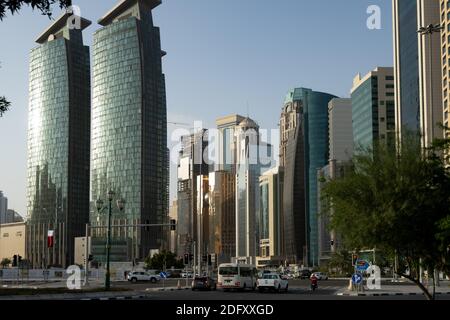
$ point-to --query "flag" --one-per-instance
(50, 238)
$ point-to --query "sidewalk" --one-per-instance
(80, 296)
(395, 290)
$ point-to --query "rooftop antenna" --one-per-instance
(248, 108)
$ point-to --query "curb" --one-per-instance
(115, 298)
(386, 294)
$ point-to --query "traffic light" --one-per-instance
(19, 260)
(209, 260)
(332, 242)
(186, 259)
(91, 257)
(14, 262)
(173, 225)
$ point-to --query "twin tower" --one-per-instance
(91, 134)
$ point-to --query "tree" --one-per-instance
(4, 106)
(164, 259)
(5, 262)
(44, 6)
(14, 6)
(397, 202)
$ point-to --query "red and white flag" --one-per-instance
(50, 238)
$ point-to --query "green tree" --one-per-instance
(397, 202)
(341, 263)
(14, 6)
(5, 262)
(44, 6)
(163, 259)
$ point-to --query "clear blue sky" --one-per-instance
(222, 54)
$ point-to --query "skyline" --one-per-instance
(243, 75)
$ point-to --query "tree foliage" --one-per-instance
(162, 260)
(5, 262)
(44, 6)
(396, 202)
(4, 106)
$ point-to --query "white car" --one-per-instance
(187, 275)
(136, 276)
(272, 281)
(320, 275)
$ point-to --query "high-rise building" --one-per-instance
(129, 130)
(417, 68)
(58, 143)
(303, 149)
(226, 144)
(173, 234)
(271, 196)
(222, 215)
(373, 108)
(191, 164)
(340, 129)
(445, 21)
(3, 208)
(341, 151)
(253, 157)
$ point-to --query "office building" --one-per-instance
(129, 130)
(253, 157)
(418, 66)
(58, 143)
(270, 209)
(12, 240)
(445, 22)
(303, 149)
(191, 164)
(341, 151)
(226, 144)
(222, 215)
(3, 207)
(373, 109)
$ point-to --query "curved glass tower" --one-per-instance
(129, 129)
(58, 143)
(303, 149)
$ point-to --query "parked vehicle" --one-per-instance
(237, 276)
(305, 274)
(136, 276)
(188, 275)
(272, 281)
(204, 283)
(320, 275)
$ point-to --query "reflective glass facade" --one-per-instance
(58, 147)
(408, 64)
(129, 131)
(304, 131)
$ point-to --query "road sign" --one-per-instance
(362, 265)
(357, 278)
(163, 275)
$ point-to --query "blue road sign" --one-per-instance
(357, 278)
(163, 275)
(362, 265)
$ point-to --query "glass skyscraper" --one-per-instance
(303, 149)
(129, 130)
(58, 143)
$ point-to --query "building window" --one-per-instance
(389, 78)
(5, 235)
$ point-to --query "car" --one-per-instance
(305, 274)
(320, 275)
(136, 276)
(203, 283)
(187, 275)
(272, 281)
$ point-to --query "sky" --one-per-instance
(224, 57)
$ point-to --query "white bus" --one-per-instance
(237, 276)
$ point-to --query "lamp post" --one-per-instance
(100, 207)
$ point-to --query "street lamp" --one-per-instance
(120, 205)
